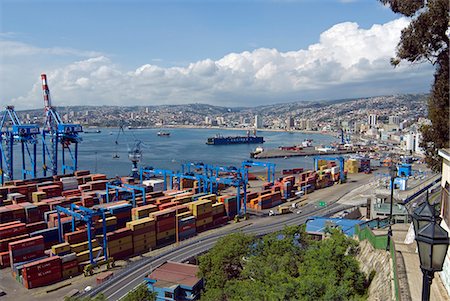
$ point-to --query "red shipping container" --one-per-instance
(4, 260)
(5, 242)
(76, 236)
(9, 224)
(39, 266)
(69, 264)
(12, 230)
(164, 228)
(26, 243)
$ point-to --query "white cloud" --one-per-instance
(348, 61)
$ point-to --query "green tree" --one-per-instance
(425, 39)
(330, 271)
(141, 293)
(223, 263)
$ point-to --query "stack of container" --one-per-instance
(50, 235)
(143, 233)
(218, 214)
(122, 212)
(364, 165)
(26, 249)
(42, 272)
(120, 243)
(352, 166)
(10, 232)
(165, 226)
(202, 210)
(69, 265)
(111, 225)
(230, 204)
(143, 211)
(186, 225)
(156, 184)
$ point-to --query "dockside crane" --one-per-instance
(12, 132)
(55, 133)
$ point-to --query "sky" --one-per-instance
(228, 53)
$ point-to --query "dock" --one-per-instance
(277, 153)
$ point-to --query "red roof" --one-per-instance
(176, 273)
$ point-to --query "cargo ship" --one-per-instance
(220, 140)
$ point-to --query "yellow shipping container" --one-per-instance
(84, 256)
(121, 241)
(218, 208)
(37, 196)
(60, 248)
(212, 197)
(183, 215)
(182, 199)
(200, 207)
(161, 235)
(150, 236)
(110, 221)
(203, 221)
(126, 247)
(83, 246)
(145, 242)
(146, 222)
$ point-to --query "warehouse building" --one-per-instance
(173, 281)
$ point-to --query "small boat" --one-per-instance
(162, 133)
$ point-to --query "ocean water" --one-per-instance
(97, 150)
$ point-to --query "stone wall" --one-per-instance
(381, 287)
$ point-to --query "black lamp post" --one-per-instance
(432, 243)
(393, 174)
(424, 214)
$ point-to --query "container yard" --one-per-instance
(58, 227)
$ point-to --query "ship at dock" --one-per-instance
(221, 140)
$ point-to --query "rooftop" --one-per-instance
(318, 224)
(173, 273)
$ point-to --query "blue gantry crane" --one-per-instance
(126, 188)
(270, 168)
(12, 132)
(148, 172)
(57, 133)
(85, 215)
(338, 158)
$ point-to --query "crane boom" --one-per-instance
(57, 133)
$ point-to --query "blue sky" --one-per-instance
(119, 40)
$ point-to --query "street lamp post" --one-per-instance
(432, 243)
(393, 174)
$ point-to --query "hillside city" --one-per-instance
(393, 119)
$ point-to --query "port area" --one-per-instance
(351, 193)
(57, 291)
(307, 151)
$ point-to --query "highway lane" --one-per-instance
(120, 285)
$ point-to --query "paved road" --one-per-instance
(119, 286)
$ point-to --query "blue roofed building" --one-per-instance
(173, 281)
(316, 225)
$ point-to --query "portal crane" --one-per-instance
(12, 131)
(86, 215)
(342, 177)
(270, 168)
(58, 133)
